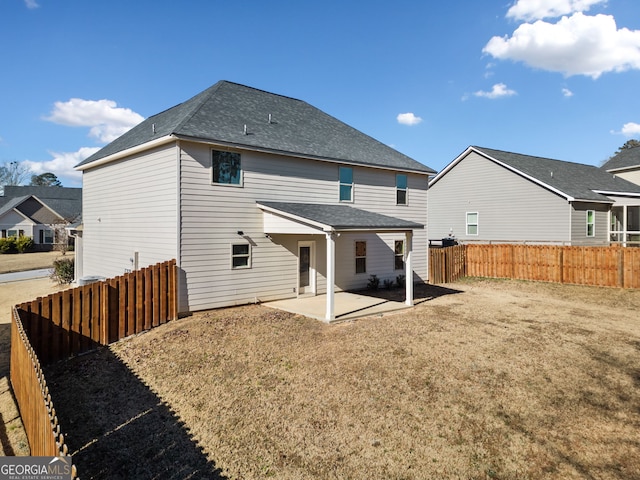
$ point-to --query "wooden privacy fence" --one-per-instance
(77, 320)
(38, 414)
(447, 264)
(597, 266)
(74, 321)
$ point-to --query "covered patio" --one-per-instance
(347, 306)
(331, 221)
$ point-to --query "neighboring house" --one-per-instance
(259, 197)
(37, 212)
(625, 164)
(625, 216)
(487, 195)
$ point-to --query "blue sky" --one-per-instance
(553, 78)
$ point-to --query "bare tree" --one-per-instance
(13, 173)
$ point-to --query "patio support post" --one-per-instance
(331, 277)
(408, 273)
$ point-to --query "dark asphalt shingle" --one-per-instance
(220, 113)
(342, 217)
(573, 179)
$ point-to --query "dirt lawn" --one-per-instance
(12, 437)
(483, 379)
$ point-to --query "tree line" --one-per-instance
(16, 173)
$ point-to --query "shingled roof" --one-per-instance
(575, 181)
(625, 159)
(341, 217)
(65, 201)
(274, 123)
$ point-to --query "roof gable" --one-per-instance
(274, 123)
(574, 181)
(53, 203)
(627, 158)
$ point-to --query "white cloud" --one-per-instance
(106, 119)
(630, 129)
(31, 4)
(62, 165)
(567, 93)
(576, 45)
(529, 10)
(408, 119)
(499, 90)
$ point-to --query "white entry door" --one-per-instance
(306, 268)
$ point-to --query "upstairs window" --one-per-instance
(591, 223)
(346, 184)
(401, 189)
(226, 167)
(472, 223)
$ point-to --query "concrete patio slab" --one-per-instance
(348, 306)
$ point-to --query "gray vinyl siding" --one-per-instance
(212, 216)
(130, 205)
(14, 221)
(579, 224)
(510, 207)
(632, 176)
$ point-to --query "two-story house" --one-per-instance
(492, 196)
(259, 197)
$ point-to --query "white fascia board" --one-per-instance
(453, 163)
(296, 218)
(618, 194)
(129, 151)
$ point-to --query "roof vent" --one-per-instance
(270, 119)
(551, 173)
(153, 128)
(245, 129)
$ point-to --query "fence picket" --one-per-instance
(613, 266)
(73, 321)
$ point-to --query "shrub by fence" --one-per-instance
(613, 266)
(73, 321)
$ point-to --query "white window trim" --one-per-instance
(248, 256)
(467, 224)
(355, 257)
(406, 190)
(352, 185)
(587, 223)
(404, 255)
(232, 185)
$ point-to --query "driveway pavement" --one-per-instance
(26, 275)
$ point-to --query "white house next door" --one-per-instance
(306, 268)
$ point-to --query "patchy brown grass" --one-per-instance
(18, 262)
(506, 380)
